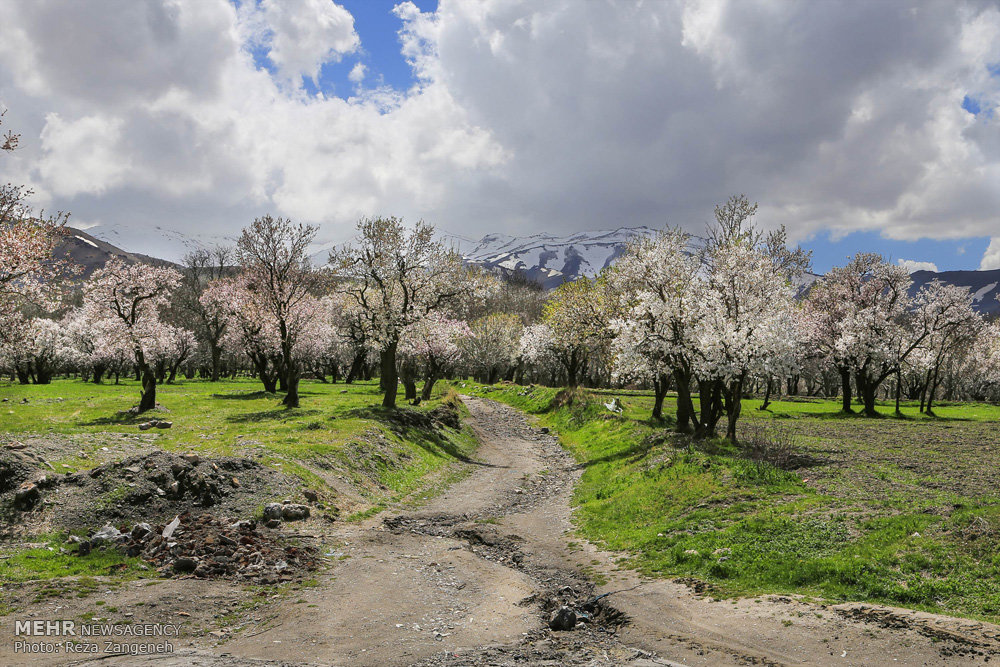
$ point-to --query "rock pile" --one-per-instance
(163, 478)
(207, 547)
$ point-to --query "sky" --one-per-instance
(858, 126)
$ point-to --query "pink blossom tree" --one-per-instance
(436, 345)
(29, 273)
(128, 298)
(396, 278)
(276, 270)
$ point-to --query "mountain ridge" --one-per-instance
(548, 259)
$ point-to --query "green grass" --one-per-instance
(339, 435)
(338, 427)
(896, 511)
(53, 558)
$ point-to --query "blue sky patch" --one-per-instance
(971, 105)
(948, 255)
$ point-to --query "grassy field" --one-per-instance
(898, 511)
(341, 442)
(336, 427)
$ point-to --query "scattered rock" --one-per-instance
(563, 619)
(106, 534)
(140, 530)
(15, 468)
(206, 547)
(185, 565)
(294, 512)
(27, 496)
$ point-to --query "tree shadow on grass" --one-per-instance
(240, 396)
(276, 414)
(126, 418)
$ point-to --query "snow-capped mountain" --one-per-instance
(545, 258)
(984, 285)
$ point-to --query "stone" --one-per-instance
(273, 523)
(272, 511)
(295, 512)
(563, 619)
(310, 495)
(140, 530)
(164, 424)
(107, 534)
(192, 458)
(185, 564)
(27, 496)
(84, 548)
(145, 426)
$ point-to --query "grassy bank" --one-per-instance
(897, 511)
(341, 443)
(340, 432)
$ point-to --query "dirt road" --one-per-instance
(472, 578)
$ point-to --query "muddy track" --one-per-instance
(473, 577)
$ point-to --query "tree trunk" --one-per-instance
(660, 385)
(899, 389)
(147, 400)
(845, 390)
(216, 360)
(685, 406)
(571, 369)
(291, 376)
(425, 393)
(931, 390)
(266, 378)
(734, 406)
(98, 374)
(355, 369)
(767, 397)
(710, 398)
(387, 358)
(868, 390)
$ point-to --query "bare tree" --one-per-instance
(201, 267)
(272, 252)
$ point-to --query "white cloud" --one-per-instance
(357, 74)
(991, 258)
(564, 115)
(306, 34)
(912, 266)
(81, 156)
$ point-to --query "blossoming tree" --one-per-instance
(128, 298)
